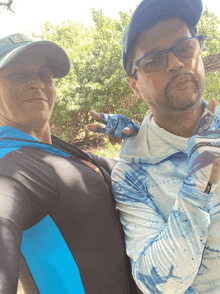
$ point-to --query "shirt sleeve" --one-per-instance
(165, 256)
(27, 193)
(107, 163)
(15, 211)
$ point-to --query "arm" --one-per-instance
(165, 256)
(26, 279)
(107, 163)
(14, 212)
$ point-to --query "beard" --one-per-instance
(182, 92)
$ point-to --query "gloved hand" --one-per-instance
(203, 171)
(116, 125)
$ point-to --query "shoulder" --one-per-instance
(217, 111)
(29, 167)
(216, 123)
(122, 170)
(129, 177)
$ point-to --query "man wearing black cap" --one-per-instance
(55, 200)
(163, 182)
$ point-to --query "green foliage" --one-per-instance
(209, 26)
(110, 151)
(100, 77)
(97, 80)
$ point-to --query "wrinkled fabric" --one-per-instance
(40, 180)
(171, 229)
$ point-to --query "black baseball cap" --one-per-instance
(149, 12)
(13, 48)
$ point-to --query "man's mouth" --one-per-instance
(36, 99)
(181, 82)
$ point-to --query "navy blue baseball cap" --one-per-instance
(13, 48)
(149, 12)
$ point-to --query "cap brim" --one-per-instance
(53, 56)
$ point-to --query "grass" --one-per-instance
(109, 151)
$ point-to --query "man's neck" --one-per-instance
(41, 133)
(182, 123)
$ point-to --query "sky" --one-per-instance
(31, 14)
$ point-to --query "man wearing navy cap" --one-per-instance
(165, 185)
(56, 204)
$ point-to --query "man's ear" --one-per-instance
(133, 85)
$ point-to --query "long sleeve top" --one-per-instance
(171, 230)
(61, 214)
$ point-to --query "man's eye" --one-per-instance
(19, 75)
(24, 76)
(149, 61)
(153, 60)
(185, 49)
(46, 78)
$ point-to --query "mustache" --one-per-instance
(177, 75)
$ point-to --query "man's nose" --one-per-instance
(37, 82)
(173, 63)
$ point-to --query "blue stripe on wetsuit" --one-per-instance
(49, 259)
(44, 248)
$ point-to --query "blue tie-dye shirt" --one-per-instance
(172, 231)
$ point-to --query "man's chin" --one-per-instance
(182, 103)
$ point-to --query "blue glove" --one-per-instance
(115, 123)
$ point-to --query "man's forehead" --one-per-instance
(164, 33)
(25, 67)
(29, 61)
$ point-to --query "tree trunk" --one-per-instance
(212, 63)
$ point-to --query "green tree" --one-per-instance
(209, 26)
(74, 38)
(100, 77)
(97, 80)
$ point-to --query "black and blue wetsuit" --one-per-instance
(59, 212)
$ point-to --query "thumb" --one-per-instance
(215, 173)
(212, 105)
(207, 118)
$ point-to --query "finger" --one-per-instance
(207, 118)
(127, 130)
(95, 115)
(95, 127)
(130, 129)
(212, 105)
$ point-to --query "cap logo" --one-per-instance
(19, 39)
